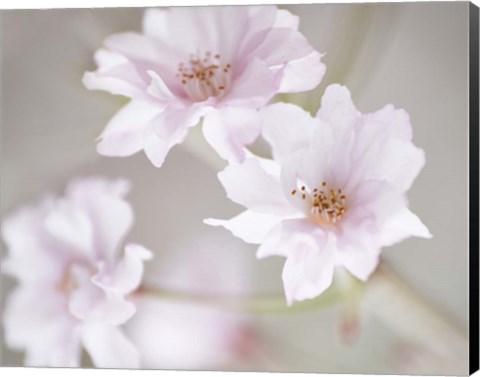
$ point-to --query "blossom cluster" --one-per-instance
(333, 193)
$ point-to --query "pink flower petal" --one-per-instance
(285, 19)
(110, 217)
(260, 21)
(71, 224)
(210, 28)
(148, 54)
(249, 185)
(283, 45)
(289, 235)
(95, 301)
(403, 225)
(21, 262)
(48, 337)
(253, 88)
(401, 161)
(308, 270)
(160, 90)
(337, 108)
(286, 127)
(128, 273)
(123, 135)
(115, 74)
(250, 226)
(156, 148)
(70, 276)
(155, 23)
(396, 121)
(109, 348)
(302, 74)
(168, 129)
(360, 261)
(230, 129)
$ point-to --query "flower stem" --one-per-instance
(260, 304)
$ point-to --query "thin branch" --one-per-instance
(260, 304)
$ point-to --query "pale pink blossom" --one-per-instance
(73, 279)
(219, 63)
(334, 193)
(191, 326)
(189, 334)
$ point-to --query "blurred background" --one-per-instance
(413, 316)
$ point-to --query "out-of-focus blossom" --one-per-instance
(220, 63)
(72, 282)
(334, 193)
(191, 326)
(189, 334)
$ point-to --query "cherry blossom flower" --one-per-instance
(72, 284)
(195, 271)
(219, 63)
(334, 193)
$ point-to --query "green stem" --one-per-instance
(265, 304)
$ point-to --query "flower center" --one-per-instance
(71, 275)
(327, 205)
(204, 77)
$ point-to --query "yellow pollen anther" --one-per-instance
(328, 206)
(204, 77)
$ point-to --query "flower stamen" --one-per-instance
(204, 77)
(328, 206)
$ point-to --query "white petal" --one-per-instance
(156, 148)
(160, 90)
(260, 22)
(250, 226)
(45, 264)
(123, 135)
(396, 121)
(308, 271)
(287, 128)
(251, 186)
(109, 348)
(49, 338)
(230, 129)
(290, 235)
(381, 156)
(135, 46)
(337, 107)
(283, 45)
(71, 224)
(115, 74)
(94, 300)
(285, 19)
(253, 88)
(129, 272)
(403, 225)
(360, 258)
(302, 74)
(155, 22)
(149, 54)
(211, 29)
(112, 219)
(110, 216)
(165, 131)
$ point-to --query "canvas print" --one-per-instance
(246, 188)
